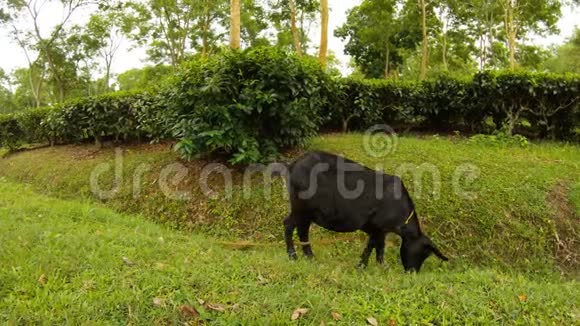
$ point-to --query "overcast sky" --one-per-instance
(11, 56)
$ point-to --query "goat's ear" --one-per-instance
(437, 252)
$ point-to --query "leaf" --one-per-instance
(216, 307)
(336, 316)
(372, 321)
(43, 279)
(392, 323)
(158, 302)
(201, 301)
(128, 262)
(188, 311)
(298, 313)
(523, 298)
(322, 323)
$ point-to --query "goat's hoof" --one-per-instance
(293, 256)
(361, 265)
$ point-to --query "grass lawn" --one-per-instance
(79, 262)
(522, 211)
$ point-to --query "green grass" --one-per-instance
(62, 262)
(511, 222)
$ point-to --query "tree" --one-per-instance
(323, 32)
(566, 58)
(212, 12)
(378, 35)
(424, 45)
(32, 40)
(254, 23)
(292, 22)
(522, 16)
(295, 35)
(7, 104)
(235, 24)
(145, 78)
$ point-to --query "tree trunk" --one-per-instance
(235, 24)
(444, 50)
(510, 30)
(424, 50)
(108, 75)
(295, 35)
(204, 29)
(387, 59)
(324, 32)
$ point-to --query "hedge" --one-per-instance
(249, 105)
(536, 104)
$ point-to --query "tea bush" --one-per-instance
(248, 105)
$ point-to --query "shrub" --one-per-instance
(10, 132)
(442, 104)
(537, 104)
(119, 116)
(360, 104)
(248, 105)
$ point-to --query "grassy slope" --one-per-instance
(509, 224)
(62, 262)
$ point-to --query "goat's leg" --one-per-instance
(289, 226)
(380, 248)
(303, 230)
(364, 259)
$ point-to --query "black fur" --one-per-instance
(328, 206)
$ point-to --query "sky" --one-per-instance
(11, 56)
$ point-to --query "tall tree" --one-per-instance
(7, 104)
(254, 23)
(235, 24)
(295, 33)
(293, 21)
(24, 18)
(377, 35)
(424, 45)
(522, 16)
(566, 57)
(323, 32)
(211, 12)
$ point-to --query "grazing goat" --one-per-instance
(343, 196)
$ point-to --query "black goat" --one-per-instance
(341, 195)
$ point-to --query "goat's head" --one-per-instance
(414, 251)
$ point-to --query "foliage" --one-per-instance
(248, 105)
(376, 36)
(537, 104)
(567, 56)
(360, 104)
(25, 127)
(116, 116)
(149, 77)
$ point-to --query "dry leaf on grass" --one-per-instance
(372, 321)
(201, 301)
(188, 311)
(298, 313)
(336, 316)
(322, 323)
(158, 302)
(392, 323)
(216, 307)
(43, 279)
(128, 262)
(523, 297)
